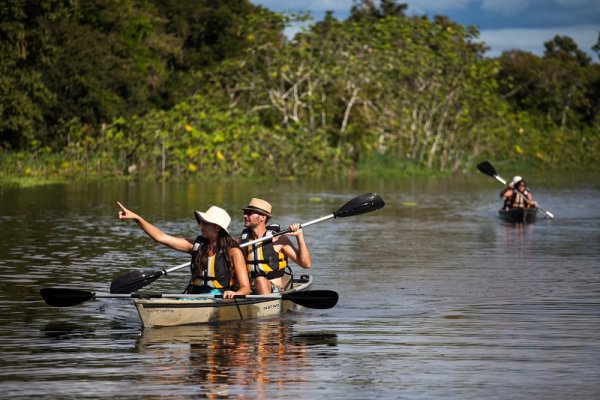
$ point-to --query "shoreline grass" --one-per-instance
(23, 170)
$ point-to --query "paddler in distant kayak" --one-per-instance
(508, 187)
(518, 196)
(267, 261)
(218, 265)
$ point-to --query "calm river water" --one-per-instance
(438, 297)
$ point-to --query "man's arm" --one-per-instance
(299, 255)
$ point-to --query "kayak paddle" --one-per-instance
(135, 280)
(64, 297)
(489, 170)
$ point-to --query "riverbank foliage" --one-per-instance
(198, 88)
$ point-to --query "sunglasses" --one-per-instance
(248, 212)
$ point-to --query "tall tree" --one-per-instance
(564, 48)
(412, 87)
(565, 82)
(25, 54)
(596, 47)
(214, 35)
(77, 61)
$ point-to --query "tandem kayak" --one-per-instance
(169, 309)
(525, 215)
(157, 312)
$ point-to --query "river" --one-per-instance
(438, 297)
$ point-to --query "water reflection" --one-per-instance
(518, 236)
(438, 297)
(226, 358)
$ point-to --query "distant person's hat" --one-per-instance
(516, 179)
(214, 215)
(259, 206)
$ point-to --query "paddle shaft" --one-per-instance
(65, 297)
(499, 178)
(304, 225)
(253, 242)
(102, 295)
(133, 281)
(264, 238)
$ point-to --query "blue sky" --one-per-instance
(503, 24)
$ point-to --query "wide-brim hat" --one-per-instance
(259, 206)
(214, 215)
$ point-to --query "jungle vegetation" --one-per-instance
(172, 89)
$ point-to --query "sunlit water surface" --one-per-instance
(438, 298)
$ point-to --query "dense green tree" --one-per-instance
(380, 82)
(215, 35)
(563, 48)
(596, 47)
(89, 62)
(214, 31)
(25, 55)
(555, 86)
(84, 61)
(555, 98)
(367, 9)
(171, 88)
(519, 76)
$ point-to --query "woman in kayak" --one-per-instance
(518, 196)
(218, 265)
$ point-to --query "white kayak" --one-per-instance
(169, 309)
(156, 312)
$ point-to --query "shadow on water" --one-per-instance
(66, 331)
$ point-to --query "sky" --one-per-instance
(503, 24)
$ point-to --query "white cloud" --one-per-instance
(533, 40)
(502, 11)
(341, 8)
(317, 7)
(436, 6)
(577, 3)
(506, 7)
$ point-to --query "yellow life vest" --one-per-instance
(216, 274)
(261, 258)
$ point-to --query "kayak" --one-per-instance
(157, 312)
(169, 309)
(518, 215)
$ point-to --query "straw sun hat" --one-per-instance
(259, 206)
(214, 215)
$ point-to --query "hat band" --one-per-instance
(254, 208)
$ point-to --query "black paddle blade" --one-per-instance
(320, 299)
(134, 280)
(359, 205)
(58, 297)
(486, 168)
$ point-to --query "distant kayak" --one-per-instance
(526, 215)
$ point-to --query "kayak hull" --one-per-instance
(524, 215)
(175, 312)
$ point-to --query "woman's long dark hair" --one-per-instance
(224, 242)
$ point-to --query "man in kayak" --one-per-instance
(218, 265)
(518, 196)
(267, 260)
